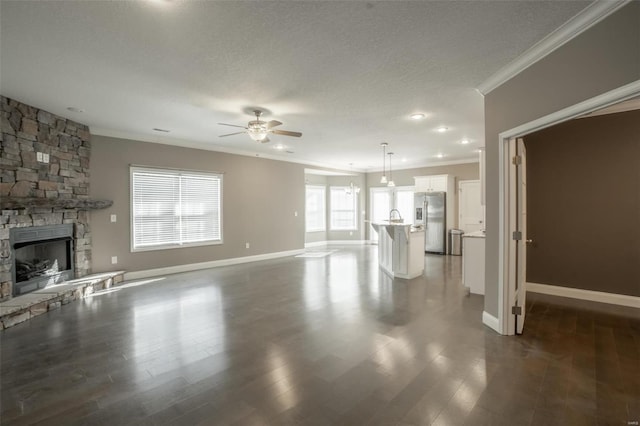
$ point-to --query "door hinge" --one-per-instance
(517, 235)
(517, 160)
(516, 310)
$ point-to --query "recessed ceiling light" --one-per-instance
(442, 129)
(279, 147)
(161, 130)
(404, 159)
(418, 116)
(74, 109)
(464, 141)
(440, 155)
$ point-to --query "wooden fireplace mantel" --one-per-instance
(19, 203)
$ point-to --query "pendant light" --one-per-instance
(391, 182)
(383, 179)
(352, 189)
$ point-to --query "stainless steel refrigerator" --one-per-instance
(431, 213)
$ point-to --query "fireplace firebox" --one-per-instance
(42, 257)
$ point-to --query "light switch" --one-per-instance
(45, 158)
(113, 218)
(39, 156)
(295, 214)
(114, 260)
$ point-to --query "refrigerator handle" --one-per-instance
(425, 215)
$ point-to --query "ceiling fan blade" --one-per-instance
(232, 125)
(231, 134)
(286, 133)
(265, 140)
(273, 123)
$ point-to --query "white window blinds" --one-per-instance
(315, 209)
(175, 208)
(343, 209)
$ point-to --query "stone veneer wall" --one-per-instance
(27, 130)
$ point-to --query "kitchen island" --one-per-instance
(400, 249)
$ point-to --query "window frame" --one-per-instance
(324, 208)
(177, 172)
(355, 209)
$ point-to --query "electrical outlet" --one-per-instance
(247, 245)
(113, 218)
(350, 233)
(114, 260)
(39, 156)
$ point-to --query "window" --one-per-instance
(380, 207)
(343, 209)
(404, 203)
(315, 211)
(383, 199)
(171, 208)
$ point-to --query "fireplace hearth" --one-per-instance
(43, 256)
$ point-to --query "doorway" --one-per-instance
(509, 316)
(470, 209)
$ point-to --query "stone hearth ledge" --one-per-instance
(22, 308)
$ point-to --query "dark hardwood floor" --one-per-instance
(318, 341)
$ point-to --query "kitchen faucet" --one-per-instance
(399, 215)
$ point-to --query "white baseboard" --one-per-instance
(577, 293)
(134, 275)
(337, 243)
(491, 321)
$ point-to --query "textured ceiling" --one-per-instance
(345, 74)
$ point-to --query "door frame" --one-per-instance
(506, 262)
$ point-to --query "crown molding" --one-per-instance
(588, 17)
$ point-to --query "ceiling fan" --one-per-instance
(258, 130)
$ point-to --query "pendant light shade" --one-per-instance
(391, 183)
(383, 179)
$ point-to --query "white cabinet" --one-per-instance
(433, 183)
(473, 262)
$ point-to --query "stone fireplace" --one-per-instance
(43, 256)
(44, 183)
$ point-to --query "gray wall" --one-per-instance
(405, 177)
(583, 204)
(605, 57)
(259, 200)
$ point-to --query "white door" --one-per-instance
(518, 230)
(380, 207)
(522, 242)
(470, 206)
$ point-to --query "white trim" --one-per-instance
(429, 164)
(591, 295)
(490, 321)
(134, 275)
(620, 94)
(585, 19)
(601, 101)
(338, 243)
